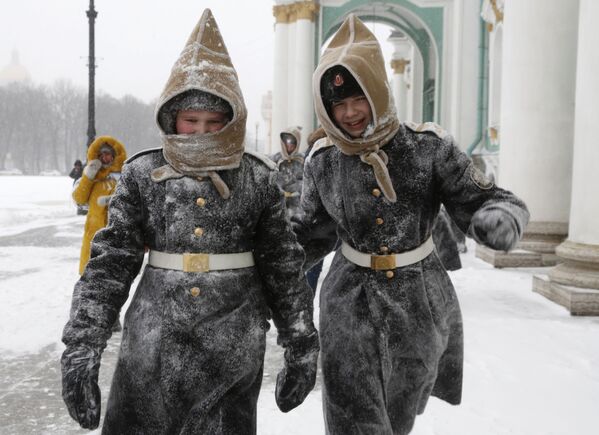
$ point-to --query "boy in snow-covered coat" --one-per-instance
(222, 256)
(390, 323)
(290, 163)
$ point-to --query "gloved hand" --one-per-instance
(495, 228)
(80, 391)
(103, 200)
(298, 376)
(92, 168)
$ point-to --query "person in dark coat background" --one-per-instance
(390, 323)
(77, 170)
(290, 163)
(222, 256)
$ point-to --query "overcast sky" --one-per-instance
(137, 42)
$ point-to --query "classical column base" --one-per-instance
(536, 249)
(574, 283)
(578, 301)
(515, 258)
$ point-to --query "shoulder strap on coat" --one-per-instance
(143, 152)
(263, 158)
(320, 144)
(427, 127)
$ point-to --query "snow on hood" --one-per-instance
(205, 65)
(357, 49)
(294, 131)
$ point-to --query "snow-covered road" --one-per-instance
(531, 368)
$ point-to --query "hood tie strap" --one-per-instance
(167, 172)
(378, 160)
(219, 184)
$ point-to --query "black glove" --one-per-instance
(80, 391)
(298, 376)
(495, 228)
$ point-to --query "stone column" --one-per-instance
(537, 123)
(401, 58)
(280, 79)
(291, 63)
(575, 282)
(301, 105)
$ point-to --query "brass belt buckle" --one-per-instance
(196, 262)
(382, 262)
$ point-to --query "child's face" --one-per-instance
(200, 121)
(352, 114)
(290, 144)
(106, 157)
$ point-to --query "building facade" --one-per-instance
(513, 81)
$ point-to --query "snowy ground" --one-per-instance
(531, 368)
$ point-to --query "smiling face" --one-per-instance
(352, 114)
(200, 121)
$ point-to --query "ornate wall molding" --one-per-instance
(306, 10)
(492, 13)
(290, 13)
(399, 65)
(281, 13)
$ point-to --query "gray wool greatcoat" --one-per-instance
(389, 340)
(289, 179)
(191, 363)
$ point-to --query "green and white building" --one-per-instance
(515, 82)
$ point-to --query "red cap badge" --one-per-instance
(338, 80)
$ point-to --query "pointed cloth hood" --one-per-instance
(357, 49)
(205, 65)
(296, 133)
(120, 155)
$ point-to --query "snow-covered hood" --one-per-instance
(295, 155)
(357, 49)
(205, 65)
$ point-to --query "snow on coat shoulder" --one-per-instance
(141, 153)
(262, 158)
(427, 127)
(320, 144)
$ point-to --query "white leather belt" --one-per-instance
(200, 262)
(386, 262)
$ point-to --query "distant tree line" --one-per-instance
(45, 127)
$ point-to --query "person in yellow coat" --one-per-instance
(105, 158)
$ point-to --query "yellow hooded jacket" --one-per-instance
(89, 191)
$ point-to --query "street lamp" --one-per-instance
(91, 106)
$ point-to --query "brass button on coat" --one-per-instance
(384, 249)
(379, 221)
(389, 274)
(198, 232)
(194, 291)
(376, 192)
(201, 202)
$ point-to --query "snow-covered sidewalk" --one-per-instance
(530, 368)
